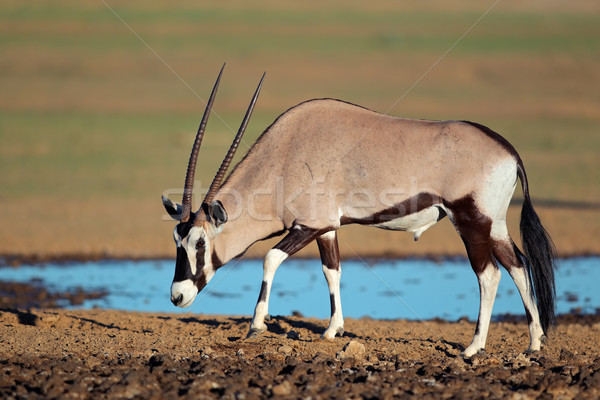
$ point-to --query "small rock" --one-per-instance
(572, 329)
(156, 360)
(354, 349)
(49, 318)
(285, 349)
(205, 385)
(283, 389)
(240, 353)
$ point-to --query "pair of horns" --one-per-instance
(191, 170)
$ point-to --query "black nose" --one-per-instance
(177, 300)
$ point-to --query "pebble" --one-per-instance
(285, 349)
(283, 389)
(156, 360)
(353, 349)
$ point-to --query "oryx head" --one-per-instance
(194, 235)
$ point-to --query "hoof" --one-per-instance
(464, 354)
(327, 338)
(331, 338)
(255, 333)
(535, 346)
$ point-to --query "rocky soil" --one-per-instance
(53, 353)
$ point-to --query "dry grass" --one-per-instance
(94, 127)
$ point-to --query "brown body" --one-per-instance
(326, 163)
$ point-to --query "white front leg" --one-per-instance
(273, 259)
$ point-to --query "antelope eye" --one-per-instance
(200, 243)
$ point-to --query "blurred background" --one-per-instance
(100, 102)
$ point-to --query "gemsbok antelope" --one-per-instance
(326, 163)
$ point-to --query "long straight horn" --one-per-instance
(216, 183)
(191, 170)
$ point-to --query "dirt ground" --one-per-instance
(57, 353)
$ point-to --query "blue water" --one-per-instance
(411, 289)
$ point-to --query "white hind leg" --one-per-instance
(507, 253)
(336, 322)
(330, 256)
(474, 229)
(523, 283)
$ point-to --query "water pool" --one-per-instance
(416, 289)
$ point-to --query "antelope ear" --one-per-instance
(173, 209)
(217, 213)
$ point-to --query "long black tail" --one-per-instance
(541, 254)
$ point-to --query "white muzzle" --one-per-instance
(183, 293)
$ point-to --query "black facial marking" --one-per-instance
(183, 228)
(200, 256)
(183, 270)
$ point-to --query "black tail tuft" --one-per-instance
(541, 254)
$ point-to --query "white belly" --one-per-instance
(418, 222)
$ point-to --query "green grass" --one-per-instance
(119, 155)
(343, 30)
(90, 112)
